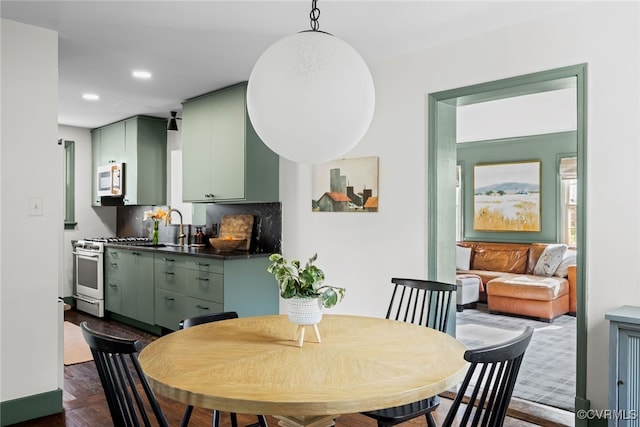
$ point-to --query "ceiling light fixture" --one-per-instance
(90, 96)
(310, 96)
(173, 124)
(140, 74)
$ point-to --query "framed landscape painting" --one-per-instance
(506, 197)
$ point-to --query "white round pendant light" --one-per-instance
(310, 97)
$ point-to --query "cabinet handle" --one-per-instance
(113, 286)
(209, 195)
(169, 272)
(135, 253)
(168, 259)
(202, 307)
(202, 264)
(204, 279)
(168, 298)
(114, 264)
(620, 382)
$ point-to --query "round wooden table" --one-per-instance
(252, 365)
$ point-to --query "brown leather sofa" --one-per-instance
(506, 271)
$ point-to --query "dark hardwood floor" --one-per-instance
(85, 406)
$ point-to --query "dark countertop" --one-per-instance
(206, 251)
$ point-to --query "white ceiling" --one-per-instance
(194, 47)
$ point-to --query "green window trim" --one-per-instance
(69, 185)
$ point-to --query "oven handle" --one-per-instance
(90, 301)
(86, 254)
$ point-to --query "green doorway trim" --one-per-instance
(441, 166)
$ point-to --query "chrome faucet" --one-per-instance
(181, 236)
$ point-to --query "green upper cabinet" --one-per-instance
(141, 144)
(223, 160)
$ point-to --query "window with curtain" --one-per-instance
(568, 199)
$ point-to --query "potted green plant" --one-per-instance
(306, 282)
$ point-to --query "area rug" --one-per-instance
(547, 375)
(76, 349)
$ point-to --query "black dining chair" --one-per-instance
(489, 383)
(120, 374)
(421, 302)
(199, 320)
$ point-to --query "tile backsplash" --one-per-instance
(267, 224)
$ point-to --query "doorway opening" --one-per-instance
(444, 229)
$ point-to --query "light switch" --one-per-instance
(35, 206)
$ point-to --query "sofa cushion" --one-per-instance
(528, 287)
(535, 251)
(549, 260)
(486, 276)
(503, 260)
(570, 258)
(463, 258)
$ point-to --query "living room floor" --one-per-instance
(548, 373)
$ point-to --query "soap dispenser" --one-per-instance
(198, 237)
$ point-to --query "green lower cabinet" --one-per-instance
(113, 295)
(129, 289)
(198, 307)
(170, 278)
(248, 288)
(142, 287)
(189, 286)
(169, 310)
(158, 289)
(206, 286)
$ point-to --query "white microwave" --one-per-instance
(111, 180)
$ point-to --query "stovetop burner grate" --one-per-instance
(124, 240)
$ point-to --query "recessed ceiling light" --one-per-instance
(140, 74)
(91, 96)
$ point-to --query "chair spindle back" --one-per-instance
(494, 371)
(422, 302)
(122, 377)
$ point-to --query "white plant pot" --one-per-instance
(305, 311)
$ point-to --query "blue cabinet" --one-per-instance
(624, 366)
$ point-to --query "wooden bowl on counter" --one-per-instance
(226, 244)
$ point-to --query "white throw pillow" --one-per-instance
(463, 258)
(570, 258)
(549, 260)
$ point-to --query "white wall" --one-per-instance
(91, 222)
(362, 252)
(30, 167)
(174, 172)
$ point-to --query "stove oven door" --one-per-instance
(89, 282)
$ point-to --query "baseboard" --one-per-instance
(30, 407)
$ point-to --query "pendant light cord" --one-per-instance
(314, 15)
